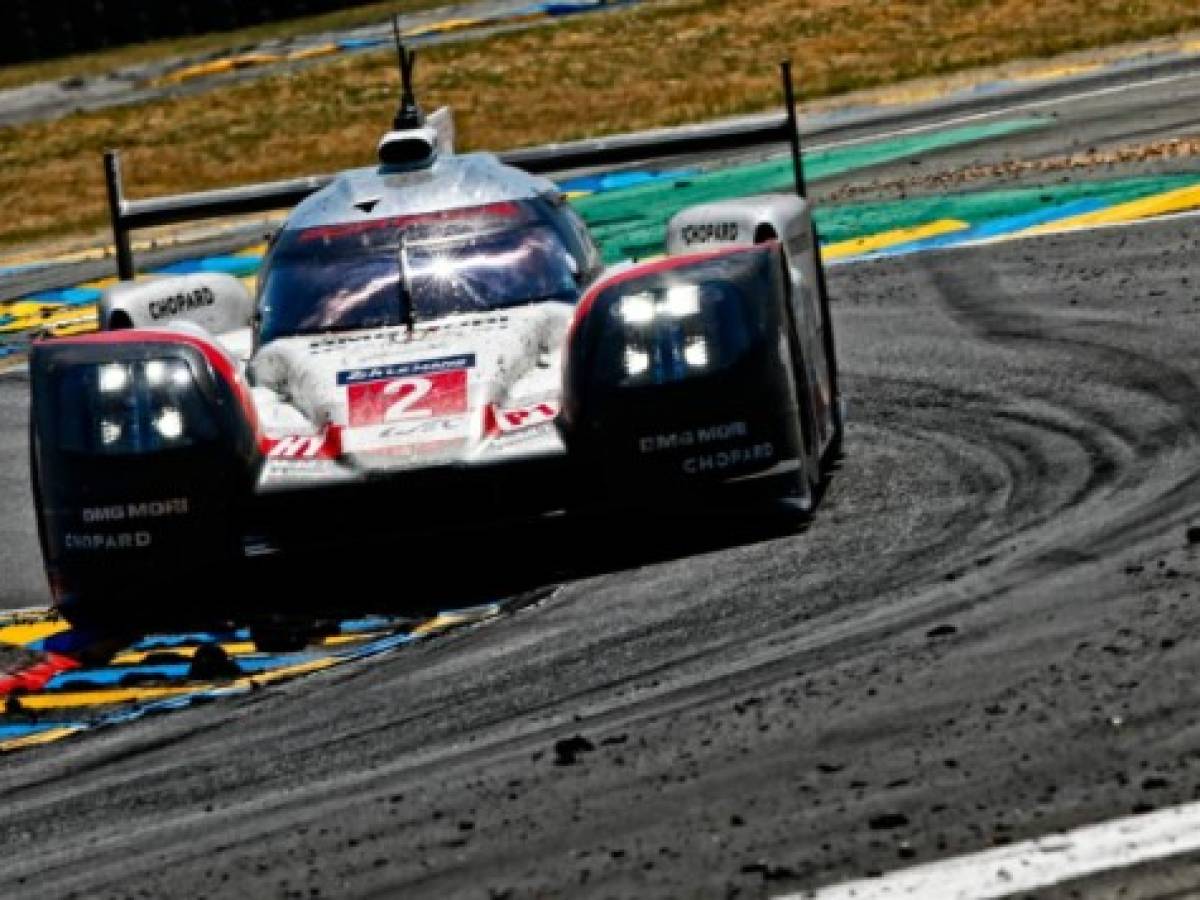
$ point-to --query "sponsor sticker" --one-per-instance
(407, 369)
(506, 421)
(184, 301)
(692, 437)
(728, 459)
(415, 435)
(710, 232)
(429, 452)
(525, 436)
(120, 512)
(102, 543)
(303, 446)
(283, 470)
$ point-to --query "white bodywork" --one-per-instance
(216, 302)
(465, 389)
(472, 388)
(787, 219)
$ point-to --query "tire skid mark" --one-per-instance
(1168, 392)
(1105, 460)
(1002, 464)
(995, 318)
(1119, 454)
(991, 434)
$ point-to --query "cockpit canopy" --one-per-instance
(390, 271)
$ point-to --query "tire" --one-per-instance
(834, 451)
(35, 483)
(808, 484)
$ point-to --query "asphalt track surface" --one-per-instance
(988, 632)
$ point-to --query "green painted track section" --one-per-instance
(839, 223)
(632, 222)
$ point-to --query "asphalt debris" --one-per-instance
(567, 750)
(887, 821)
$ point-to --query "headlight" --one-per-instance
(114, 378)
(696, 353)
(140, 406)
(672, 332)
(701, 328)
(636, 309)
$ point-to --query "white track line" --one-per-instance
(1118, 844)
(1006, 110)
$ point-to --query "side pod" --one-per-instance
(142, 447)
(678, 378)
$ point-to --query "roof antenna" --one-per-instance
(409, 114)
(411, 144)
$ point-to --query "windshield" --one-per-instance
(487, 271)
(375, 274)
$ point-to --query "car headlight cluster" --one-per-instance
(139, 406)
(676, 331)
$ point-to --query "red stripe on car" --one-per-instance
(218, 360)
(504, 209)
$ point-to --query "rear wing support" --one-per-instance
(793, 128)
(128, 216)
(131, 215)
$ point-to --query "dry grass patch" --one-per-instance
(666, 62)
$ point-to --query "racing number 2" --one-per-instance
(409, 393)
(410, 397)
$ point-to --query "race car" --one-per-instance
(434, 341)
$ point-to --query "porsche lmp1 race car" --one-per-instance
(434, 341)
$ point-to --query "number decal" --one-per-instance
(408, 397)
(411, 392)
